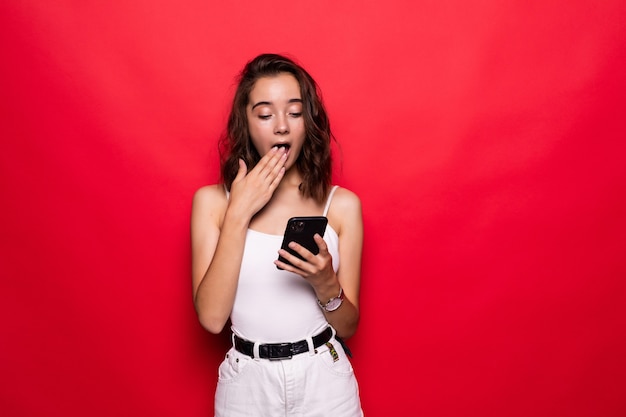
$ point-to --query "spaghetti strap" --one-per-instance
(227, 193)
(330, 197)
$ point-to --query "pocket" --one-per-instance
(233, 366)
(335, 359)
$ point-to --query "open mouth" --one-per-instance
(283, 145)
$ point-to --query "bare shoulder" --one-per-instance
(210, 193)
(210, 201)
(345, 200)
(345, 210)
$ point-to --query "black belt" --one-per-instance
(282, 350)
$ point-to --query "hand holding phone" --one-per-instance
(301, 230)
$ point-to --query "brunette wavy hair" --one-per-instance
(314, 161)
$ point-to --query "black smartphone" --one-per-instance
(301, 230)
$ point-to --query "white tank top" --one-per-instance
(271, 305)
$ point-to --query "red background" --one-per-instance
(486, 140)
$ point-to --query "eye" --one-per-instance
(264, 116)
(295, 114)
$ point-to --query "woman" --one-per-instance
(287, 318)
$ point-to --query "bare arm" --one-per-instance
(218, 234)
(317, 269)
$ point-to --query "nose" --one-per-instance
(282, 125)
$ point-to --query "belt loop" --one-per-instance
(255, 350)
(232, 338)
(309, 341)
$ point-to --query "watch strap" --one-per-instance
(334, 303)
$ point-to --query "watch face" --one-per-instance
(333, 304)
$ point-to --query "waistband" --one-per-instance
(277, 351)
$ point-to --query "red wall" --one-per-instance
(486, 140)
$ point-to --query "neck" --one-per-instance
(292, 178)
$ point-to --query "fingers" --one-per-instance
(267, 172)
(252, 189)
(295, 265)
(278, 178)
(271, 168)
(272, 163)
(311, 264)
(321, 243)
(306, 254)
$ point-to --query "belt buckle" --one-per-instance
(275, 351)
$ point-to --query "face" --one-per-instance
(274, 114)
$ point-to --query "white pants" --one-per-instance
(311, 384)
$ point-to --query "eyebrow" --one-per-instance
(269, 103)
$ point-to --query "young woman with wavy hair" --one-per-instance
(288, 317)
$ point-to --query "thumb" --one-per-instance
(242, 171)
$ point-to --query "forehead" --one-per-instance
(275, 89)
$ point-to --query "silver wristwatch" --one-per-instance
(334, 303)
